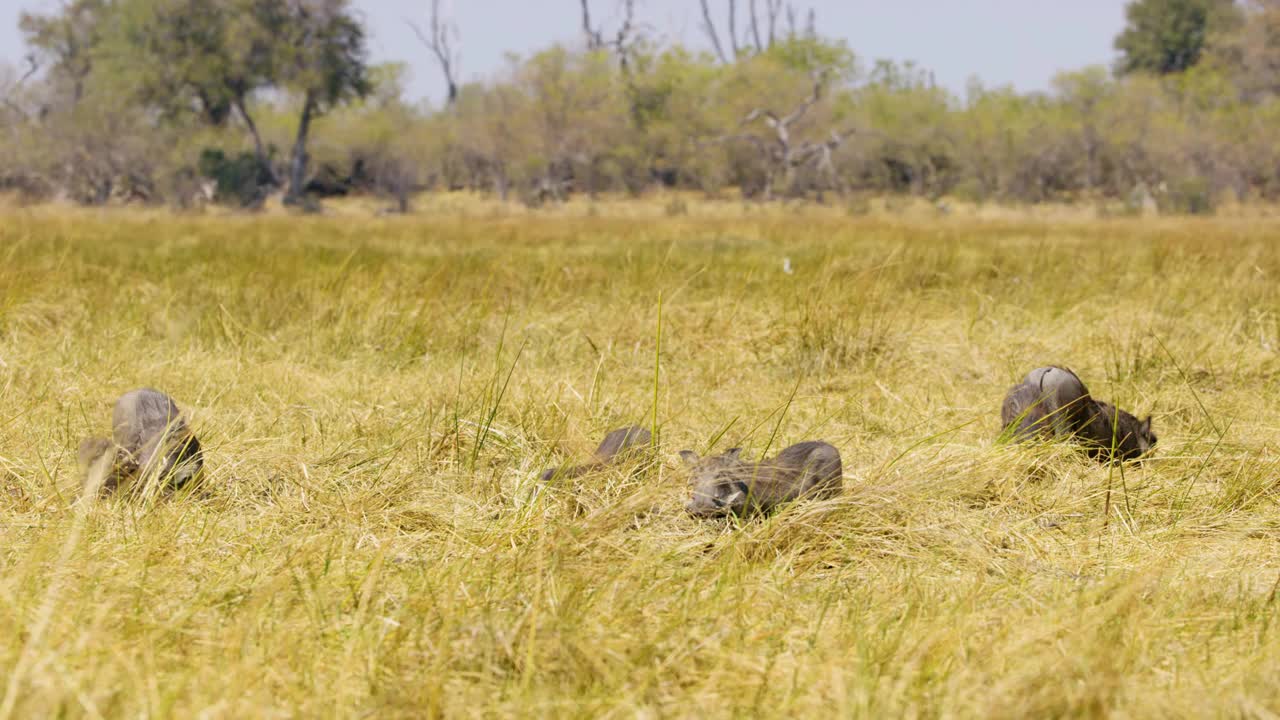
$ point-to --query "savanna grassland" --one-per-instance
(377, 396)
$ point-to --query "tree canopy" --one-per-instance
(1170, 36)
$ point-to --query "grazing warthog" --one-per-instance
(150, 439)
(615, 446)
(726, 484)
(1053, 402)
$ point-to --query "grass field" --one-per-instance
(376, 398)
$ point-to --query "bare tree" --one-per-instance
(755, 27)
(758, 35)
(622, 41)
(595, 38)
(32, 68)
(440, 38)
(782, 154)
(772, 8)
(733, 29)
(709, 27)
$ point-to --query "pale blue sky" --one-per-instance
(1017, 42)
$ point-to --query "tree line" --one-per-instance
(230, 101)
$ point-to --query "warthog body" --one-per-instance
(725, 484)
(1054, 402)
(615, 446)
(150, 438)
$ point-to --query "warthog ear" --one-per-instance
(689, 457)
(1145, 427)
(733, 453)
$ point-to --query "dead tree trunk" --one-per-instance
(439, 39)
(782, 154)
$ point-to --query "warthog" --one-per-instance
(616, 445)
(150, 439)
(1053, 402)
(726, 484)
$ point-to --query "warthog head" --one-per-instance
(718, 483)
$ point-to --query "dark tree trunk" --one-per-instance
(259, 150)
(298, 158)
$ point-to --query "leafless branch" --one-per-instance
(755, 140)
(709, 26)
(628, 18)
(819, 83)
(808, 150)
(764, 34)
(755, 26)
(622, 40)
(733, 29)
(594, 37)
(757, 35)
(772, 8)
(782, 126)
(770, 119)
(439, 40)
(32, 67)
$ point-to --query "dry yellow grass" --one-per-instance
(376, 397)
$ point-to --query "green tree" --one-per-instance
(209, 57)
(1169, 36)
(203, 56)
(319, 53)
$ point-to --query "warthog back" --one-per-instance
(617, 444)
(150, 439)
(1054, 402)
(150, 428)
(1050, 401)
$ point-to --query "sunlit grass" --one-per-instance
(377, 396)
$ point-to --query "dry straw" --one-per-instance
(374, 397)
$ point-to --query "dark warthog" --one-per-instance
(726, 484)
(1053, 402)
(617, 445)
(150, 439)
